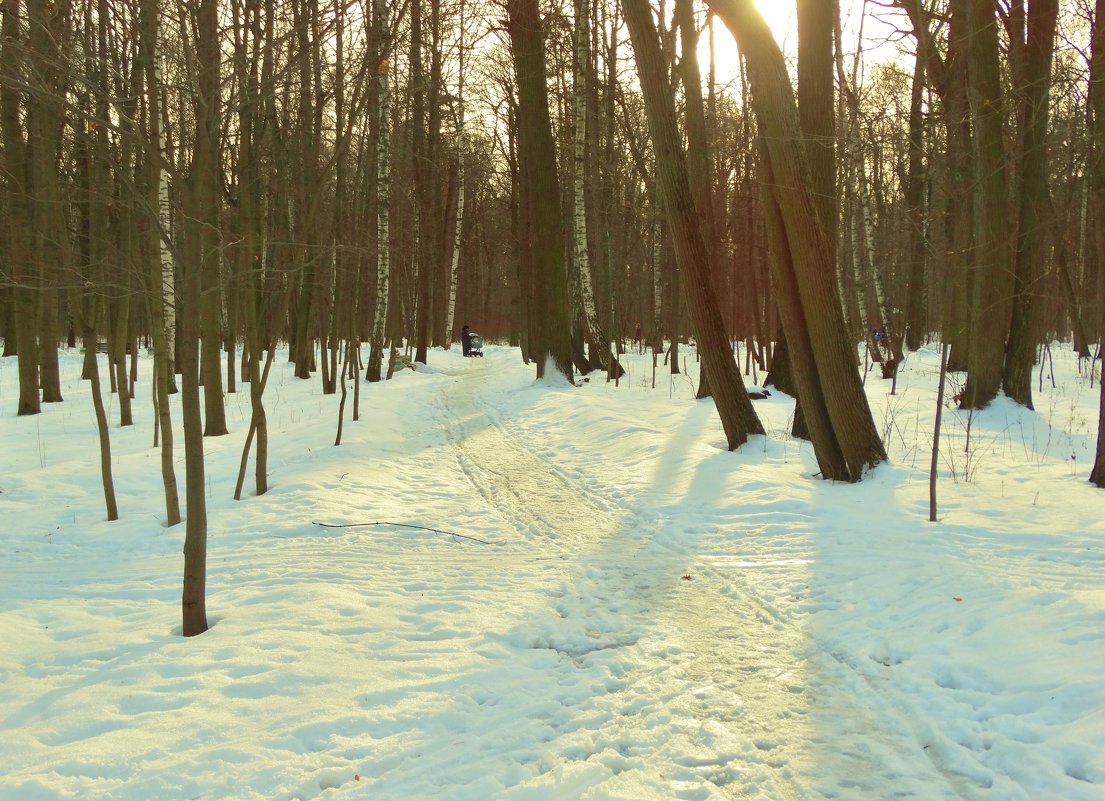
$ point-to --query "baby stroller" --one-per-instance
(475, 344)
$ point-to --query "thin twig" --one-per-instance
(403, 525)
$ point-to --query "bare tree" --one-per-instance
(1034, 94)
(581, 73)
(17, 220)
(1097, 194)
(199, 269)
(841, 426)
(551, 326)
(734, 407)
(991, 285)
(383, 195)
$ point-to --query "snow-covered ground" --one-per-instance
(627, 611)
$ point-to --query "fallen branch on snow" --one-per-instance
(402, 525)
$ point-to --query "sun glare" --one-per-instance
(779, 16)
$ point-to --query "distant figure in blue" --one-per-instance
(465, 340)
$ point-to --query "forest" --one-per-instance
(210, 181)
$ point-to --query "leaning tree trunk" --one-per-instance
(805, 288)
(797, 373)
(699, 158)
(106, 476)
(87, 313)
(734, 407)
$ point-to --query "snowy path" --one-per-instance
(700, 686)
(656, 619)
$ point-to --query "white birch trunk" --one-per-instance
(864, 240)
(869, 241)
(383, 192)
(859, 248)
(579, 184)
(454, 270)
(657, 287)
(165, 217)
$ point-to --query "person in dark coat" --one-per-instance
(465, 340)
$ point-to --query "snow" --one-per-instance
(627, 611)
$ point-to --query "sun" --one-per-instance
(780, 17)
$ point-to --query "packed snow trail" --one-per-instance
(696, 686)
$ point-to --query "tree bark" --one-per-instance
(1034, 194)
(422, 219)
(805, 287)
(916, 319)
(107, 479)
(551, 345)
(738, 418)
(699, 156)
(198, 270)
(207, 196)
(1097, 194)
(581, 169)
(991, 285)
(48, 41)
(383, 198)
(18, 219)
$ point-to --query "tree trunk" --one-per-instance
(1097, 194)
(199, 269)
(107, 479)
(48, 40)
(541, 188)
(193, 597)
(699, 157)
(206, 195)
(916, 319)
(18, 219)
(804, 282)
(734, 407)
(991, 285)
(1034, 193)
(422, 220)
(581, 169)
(383, 201)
